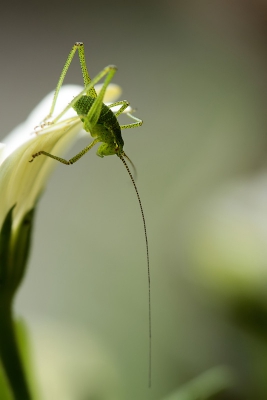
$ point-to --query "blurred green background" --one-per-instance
(196, 72)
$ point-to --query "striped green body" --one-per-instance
(107, 128)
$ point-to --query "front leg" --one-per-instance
(123, 103)
(138, 122)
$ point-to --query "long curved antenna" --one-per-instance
(148, 268)
(133, 166)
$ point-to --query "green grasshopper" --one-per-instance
(101, 122)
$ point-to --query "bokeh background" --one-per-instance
(196, 72)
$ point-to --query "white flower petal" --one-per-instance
(25, 131)
(2, 151)
(21, 182)
(112, 94)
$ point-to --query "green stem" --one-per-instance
(10, 355)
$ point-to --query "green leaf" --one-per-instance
(5, 393)
(21, 248)
(5, 240)
(10, 355)
(14, 253)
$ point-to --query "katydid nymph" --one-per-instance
(101, 122)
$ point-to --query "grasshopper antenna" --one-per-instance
(148, 267)
(132, 165)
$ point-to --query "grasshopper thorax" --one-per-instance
(106, 128)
